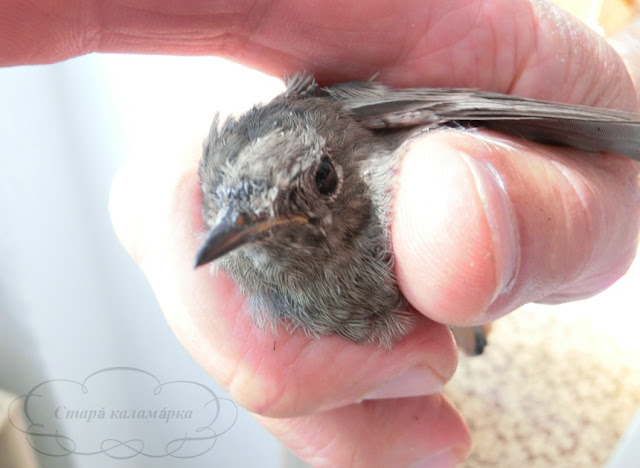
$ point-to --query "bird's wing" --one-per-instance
(592, 129)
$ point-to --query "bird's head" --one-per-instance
(274, 183)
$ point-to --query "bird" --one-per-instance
(297, 194)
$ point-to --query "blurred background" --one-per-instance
(71, 300)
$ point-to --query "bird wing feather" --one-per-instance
(377, 106)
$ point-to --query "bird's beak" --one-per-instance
(234, 230)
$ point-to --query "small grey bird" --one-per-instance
(297, 193)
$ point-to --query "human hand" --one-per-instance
(562, 226)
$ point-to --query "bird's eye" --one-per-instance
(326, 177)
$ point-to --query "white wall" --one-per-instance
(71, 301)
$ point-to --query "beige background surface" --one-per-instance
(557, 385)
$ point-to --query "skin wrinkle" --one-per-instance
(277, 386)
(508, 283)
(328, 449)
(239, 334)
(296, 392)
(498, 37)
(415, 55)
(540, 281)
(597, 78)
(451, 49)
(552, 25)
(301, 445)
(267, 395)
(275, 394)
(228, 362)
(234, 380)
(519, 63)
(294, 48)
(617, 96)
(456, 52)
(236, 327)
(274, 388)
(298, 367)
(504, 280)
(362, 371)
(257, 14)
(404, 55)
(91, 27)
(585, 206)
(494, 46)
(590, 95)
(201, 30)
(351, 453)
(432, 29)
(603, 277)
(525, 62)
(298, 444)
(616, 91)
(477, 58)
(539, 61)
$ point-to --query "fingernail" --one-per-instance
(446, 459)
(502, 221)
(413, 382)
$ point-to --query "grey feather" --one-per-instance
(298, 193)
(587, 128)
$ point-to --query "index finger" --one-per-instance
(515, 46)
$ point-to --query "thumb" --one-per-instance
(483, 224)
